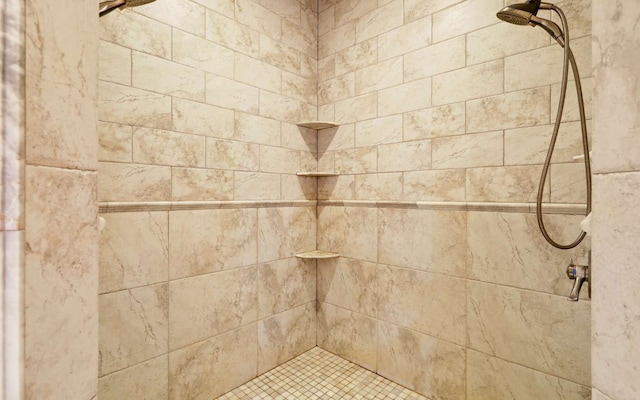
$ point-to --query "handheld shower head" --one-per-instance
(106, 7)
(521, 13)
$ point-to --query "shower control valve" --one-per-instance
(579, 274)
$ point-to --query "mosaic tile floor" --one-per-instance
(318, 374)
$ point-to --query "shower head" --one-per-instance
(107, 6)
(521, 13)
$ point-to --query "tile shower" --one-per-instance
(443, 285)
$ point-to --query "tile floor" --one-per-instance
(318, 374)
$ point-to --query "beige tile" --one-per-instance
(114, 141)
(348, 231)
(282, 108)
(228, 154)
(507, 184)
(407, 156)
(228, 93)
(286, 335)
(422, 363)
(308, 161)
(114, 63)
(285, 284)
(350, 284)
(257, 73)
(326, 161)
(326, 68)
(279, 160)
(193, 184)
(203, 241)
(134, 250)
(326, 20)
(337, 39)
(478, 81)
(350, 10)
(257, 17)
(229, 33)
(285, 231)
(133, 182)
(202, 54)
(202, 119)
(571, 110)
(379, 76)
(393, 100)
(578, 13)
(379, 131)
(145, 381)
(530, 329)
(187, 16)
(130, 106)
(347, 334)
(256, 186)
(408, 37)
(443, 57)
(294, 35)
(508, 249)
(254, 129)
(464, 17)
(464, 151)
(490, 378)
(224, 7)
(437, 185)
(356, 161)
(380, 20)
(567, 183)
(213, 367)
(415, 9)
(510, 110)
(356, 108)
(444, 120)
(161, 76)
(279, 54)
(404, 240)
(133, 326)
(153, 146)
(596, 395)
(299, 88)
(299, 138)
(284, 9)
(356, 57)
(135, 31)
(379, 186)
(208, 305)
(338, 88)
(339, 187)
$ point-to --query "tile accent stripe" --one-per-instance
(112, 207)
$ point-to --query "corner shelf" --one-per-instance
(317, 125)
(317, 174)
(317, 255)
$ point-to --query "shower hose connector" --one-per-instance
(579, 274)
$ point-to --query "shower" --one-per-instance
(106, 7)
(526, 14)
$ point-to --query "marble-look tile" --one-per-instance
(132, 182)
(394, 100)
(286, 335)
(285, 231)
(185, 15)
(131, 106)
(135, 31)
(437, 185)
(409, 37)
(281, 108)
(349, 10)
(279, 160)
(299, 188)
(379, 131)
(193, 184)
(348, 231)
(339, 187)
(615, 339)
(490, 378)
(202, 54)
(213, 367)
(228, 154)
(299, 88)
(326, 20)
(474, 82)
(145, 381)
(357, 108)
(508, 249)
(380, 20)
(402, 301)
(571, 112)
(284, 9)
(228, 33)
(265, 21)
(347, 334)
(279, 54)
(356, 161)
(340, 137)
(157, 147)
(134, 250)
(349, 283)
(257, 73)
(112, 60)
(597, 395)
(511, 110)
(432, 122)
(202, 119)
(465, 17)
(203, 241)
(530, 329)
(162, 76)
(114, 142)
(337, 39)
(285, 284)
(299, 138)
(12, 252)
(429, 366)
(301, 39)
(433, 241)
(379, 76)
(467, 151)
(338, 88)
(415, 9)
(386, 186)
(228, 93)
(211, 304)
(505, 184)
(444, 57)
(256, 186)
(60, 284)
(567, 183)
(134, 326)
(327, 112)
(355, 57)
(407, 156)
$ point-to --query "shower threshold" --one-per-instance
(318, 374)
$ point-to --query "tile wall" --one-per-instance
(438, 101)
(198, 105)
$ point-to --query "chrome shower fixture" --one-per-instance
(106, 7)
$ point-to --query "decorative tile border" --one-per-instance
(124, 206)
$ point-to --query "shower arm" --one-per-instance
(568, 59)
